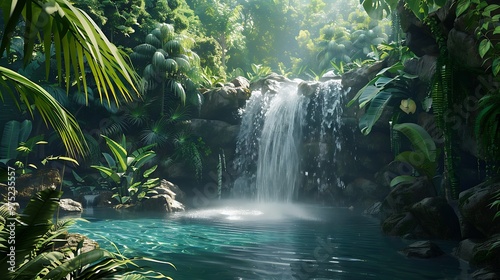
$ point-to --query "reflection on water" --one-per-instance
(271, 241)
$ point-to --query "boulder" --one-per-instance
(223, 103)
(465, 249)
(270, 84)
(359, 77)
(70, 206)
(73, 239)
(424, 67)
(403, 196)
(171, 189)
(487, 252)
(486, 273)
(437, 218)
(400, 224)
(240, 82)
(422, 249)
(474, 205)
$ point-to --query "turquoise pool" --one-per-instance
(279, 241)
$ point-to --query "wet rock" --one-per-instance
(70, 206)
(241, 82)
(424, 67)
(403, 196)
(437, 218)
(486, 273)
(400, 224)
(487, 252)
(359, 77)
(270, 84)
(465, 249)
(165, 201)
(167, 187)
(422, 249)
(223, 103)
(475, 208)
(72, 241)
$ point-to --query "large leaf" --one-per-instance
(24, 91)
(119, 152)
(79, 262)
(34, 223)
(374, 111)
(72, 32)
(143, 159)
(419, 138)
(402, 179)
(108, 172)
(43, 261)
(418, 160)
(10, 140)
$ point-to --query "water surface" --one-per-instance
(273, 241)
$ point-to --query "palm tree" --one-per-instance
(79, 47)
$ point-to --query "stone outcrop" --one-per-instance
(165, 201)
(223, 103)
(437, 218)
(475, 208)
(68, 205)
(422, 249)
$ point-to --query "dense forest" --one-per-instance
(105, 93)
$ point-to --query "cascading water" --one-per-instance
(277, 129)
(279, 154)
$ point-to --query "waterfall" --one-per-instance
(90, 200)
(281, 129)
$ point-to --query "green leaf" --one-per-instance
(63, 158)
(484, 47)
(108, 172)
(420, 139)
(149, 171)
(119, 152)
(77, 177)
(143, 159)
(79, 262)
(374, 111)
(402, 179)
(109, 160)
(495, 66)
(490, 8)
(462, 6)
(10, 140)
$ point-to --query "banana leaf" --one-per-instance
(419, 138)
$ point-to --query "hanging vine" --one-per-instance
(443, 100)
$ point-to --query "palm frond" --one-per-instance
(76, 40)
(24, 91)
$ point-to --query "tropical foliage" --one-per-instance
(36, 239)
(170, 66)
(389, 83)
(125, 173)
(423, 157)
